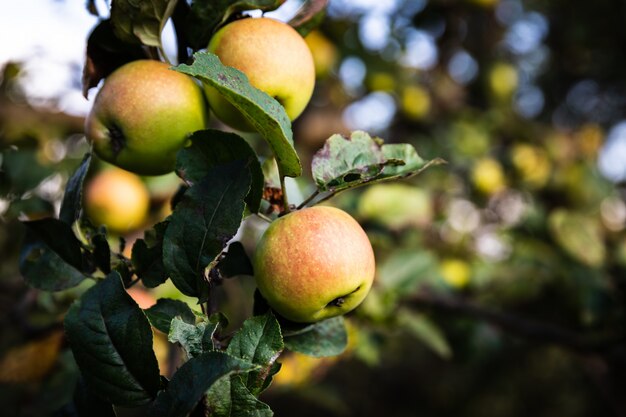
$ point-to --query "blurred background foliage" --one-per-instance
(501, 275)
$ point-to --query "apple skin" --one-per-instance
(274, 57)
(143, 115)
(313, 264)
(117, 199)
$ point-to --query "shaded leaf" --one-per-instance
(260, 110)
(579, 235)
(258, 341)
(235, 262)
(31, 361)
(147, 256)
(310, 16)
(21, 171)
(141, 21)
(88, 404)
(165, 310)
(196, 339)
(202, 224)
(229, 397)
(207, 15)
(426, 331)
(101, 252)
(324, 338)
(111, 340)
(192, 380)
(60, 238)
(72, 204)
(210, 148)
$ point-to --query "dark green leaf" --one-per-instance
(310, 15)
(202, 224)
(163, 312)
(210, 148)
(207, 15)
(235, 262)
(324, 338)
(111, 340)
(229, 397)
(105, 53)
(88, 404)
(196, 339)
(260, 110)
(101, 252)
(147, 256)
(21, 171)
(360, 159)
(258, 341)
(60, 238)
(426, 331)
(192, 380)
(141, 21)
(73, 197)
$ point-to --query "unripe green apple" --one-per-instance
(313, 264)
(274, 57)
(143, 115)
(117, 199)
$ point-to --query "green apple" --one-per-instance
(313, 264)
(274, 57)
(117, 199)
(143, 115)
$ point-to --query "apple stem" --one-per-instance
(309, 199)
(286, 208)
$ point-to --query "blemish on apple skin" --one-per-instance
(118, 140)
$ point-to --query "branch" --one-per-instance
(520, 326)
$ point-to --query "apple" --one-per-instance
(117, 199)
(274, 57)
(143, 115)
(314, 264)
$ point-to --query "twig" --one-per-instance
(286, 207)
(521, 326)
(133, 282)
(309, 199)
(264, 217)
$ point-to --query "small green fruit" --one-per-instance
(314, 264)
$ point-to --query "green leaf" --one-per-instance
(235, 262)
(147, 256)
(141, 21)
(207, 15)
(89, 404)
(192, 380)
(310, 16)
(229, 397)
(347, 162)
(202, 224)
(165, 310)
(426, 331)
(43, 269)
(196, 339)
(579, 235)
(210, 148)
(73, 198)
(101, 252)
(111, 340)
(259, 109)
(258, 341)
(324, 338)
(21, 171)
(60, 238)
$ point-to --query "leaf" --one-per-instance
(88, 404)
(31, 361)
(310, 16)
(165, 310)
(426, 331)
(324, 338)
(105, 53)
(579, 235)
(73, 198)
(196, 339)
(207, 15)
(347, 162)
(229, 397)
(192, 380)
(259, 109)
(21, 171)
(101, 252)
(258, 341)
(235, 262)
(202, 224)
(141, 21)
(60, 238)
(111, 340)
(43, 269)
(147, 256)
(210, 148)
